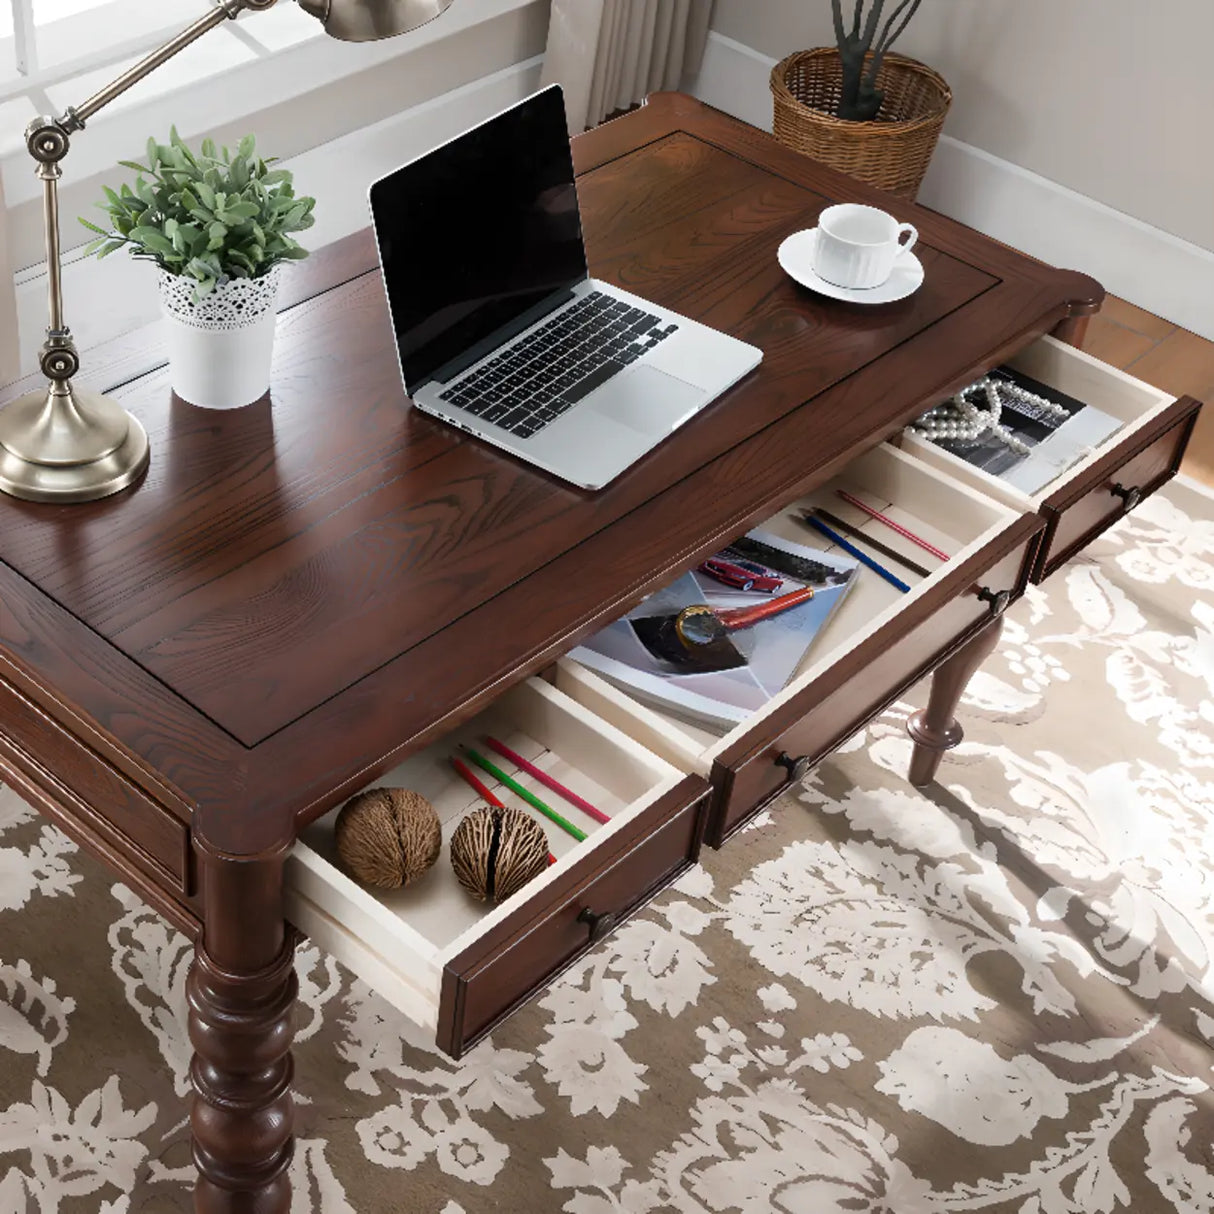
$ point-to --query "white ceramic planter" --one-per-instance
(221, 346)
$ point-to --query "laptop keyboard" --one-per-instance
(530, 384)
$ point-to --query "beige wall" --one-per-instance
(1113, 98)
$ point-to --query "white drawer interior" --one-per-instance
(399, 940)
(953, 517)
(1077, 374)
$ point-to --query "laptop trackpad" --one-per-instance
(648, 400)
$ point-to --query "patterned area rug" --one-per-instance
(995, 997)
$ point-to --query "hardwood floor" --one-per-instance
(1169, 357)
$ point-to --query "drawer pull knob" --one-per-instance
(600, 925)
(998, 599)
(1130, 497)
(797, 769)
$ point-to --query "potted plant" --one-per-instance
(219, 227)
(859, 108)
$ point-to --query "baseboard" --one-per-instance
(1143, 264)
(734, 77)
(1193, 485)
(110, 297)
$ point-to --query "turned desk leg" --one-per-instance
(935, 729)
(241, 992)
(1073, 330)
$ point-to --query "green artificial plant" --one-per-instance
(211, 216)
(861, 99)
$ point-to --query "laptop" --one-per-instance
(499, 328)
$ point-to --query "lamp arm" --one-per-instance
(74, 118)
(47, 138)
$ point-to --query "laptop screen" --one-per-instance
(475, 236)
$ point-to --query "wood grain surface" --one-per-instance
(335, 520)
(319, 582)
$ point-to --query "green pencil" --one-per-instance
(520, 791)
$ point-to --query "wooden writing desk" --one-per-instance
(304, 592)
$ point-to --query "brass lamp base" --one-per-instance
(68, 444)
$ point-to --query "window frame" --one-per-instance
(277, 95)
(338, 113)
(33, 78)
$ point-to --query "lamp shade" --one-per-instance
(369, 20)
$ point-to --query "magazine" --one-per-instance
(1054, 446)
(719, 642)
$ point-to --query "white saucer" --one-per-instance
(796, 257)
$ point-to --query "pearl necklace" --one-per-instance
(960, 419)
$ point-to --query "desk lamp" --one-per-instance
(70, 444)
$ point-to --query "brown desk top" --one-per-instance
(300, 589)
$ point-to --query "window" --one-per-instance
(274, 73)
(57, 53)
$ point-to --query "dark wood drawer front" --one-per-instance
(1123, 478)
(834, 706)
(526, 951)
(133, 824)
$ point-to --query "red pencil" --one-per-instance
(889, 522)
(546, 780)
(465, 771)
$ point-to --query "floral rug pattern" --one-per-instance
(994, 996)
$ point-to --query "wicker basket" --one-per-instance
(893, 150)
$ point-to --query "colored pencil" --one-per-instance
(889, 522)
(526, 794)
(835, 538)
(466, 773)
(546, 780)
(841, 525)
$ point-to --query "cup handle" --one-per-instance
(904, 229)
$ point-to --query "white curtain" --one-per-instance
(611, 54)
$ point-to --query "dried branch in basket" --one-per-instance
(861, 99)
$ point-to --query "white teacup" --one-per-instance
(857, 245)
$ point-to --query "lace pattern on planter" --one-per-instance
(236, 304)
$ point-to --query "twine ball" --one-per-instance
(495, 852)
(388, 836)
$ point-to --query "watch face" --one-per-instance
(699, 626)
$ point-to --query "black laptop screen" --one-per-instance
(475, 235)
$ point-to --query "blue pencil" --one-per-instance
(835, 538)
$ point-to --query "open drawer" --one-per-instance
(1096, 491)
(458, 965)
(878, 643)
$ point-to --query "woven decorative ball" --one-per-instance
(388, 837)
(495, 852)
